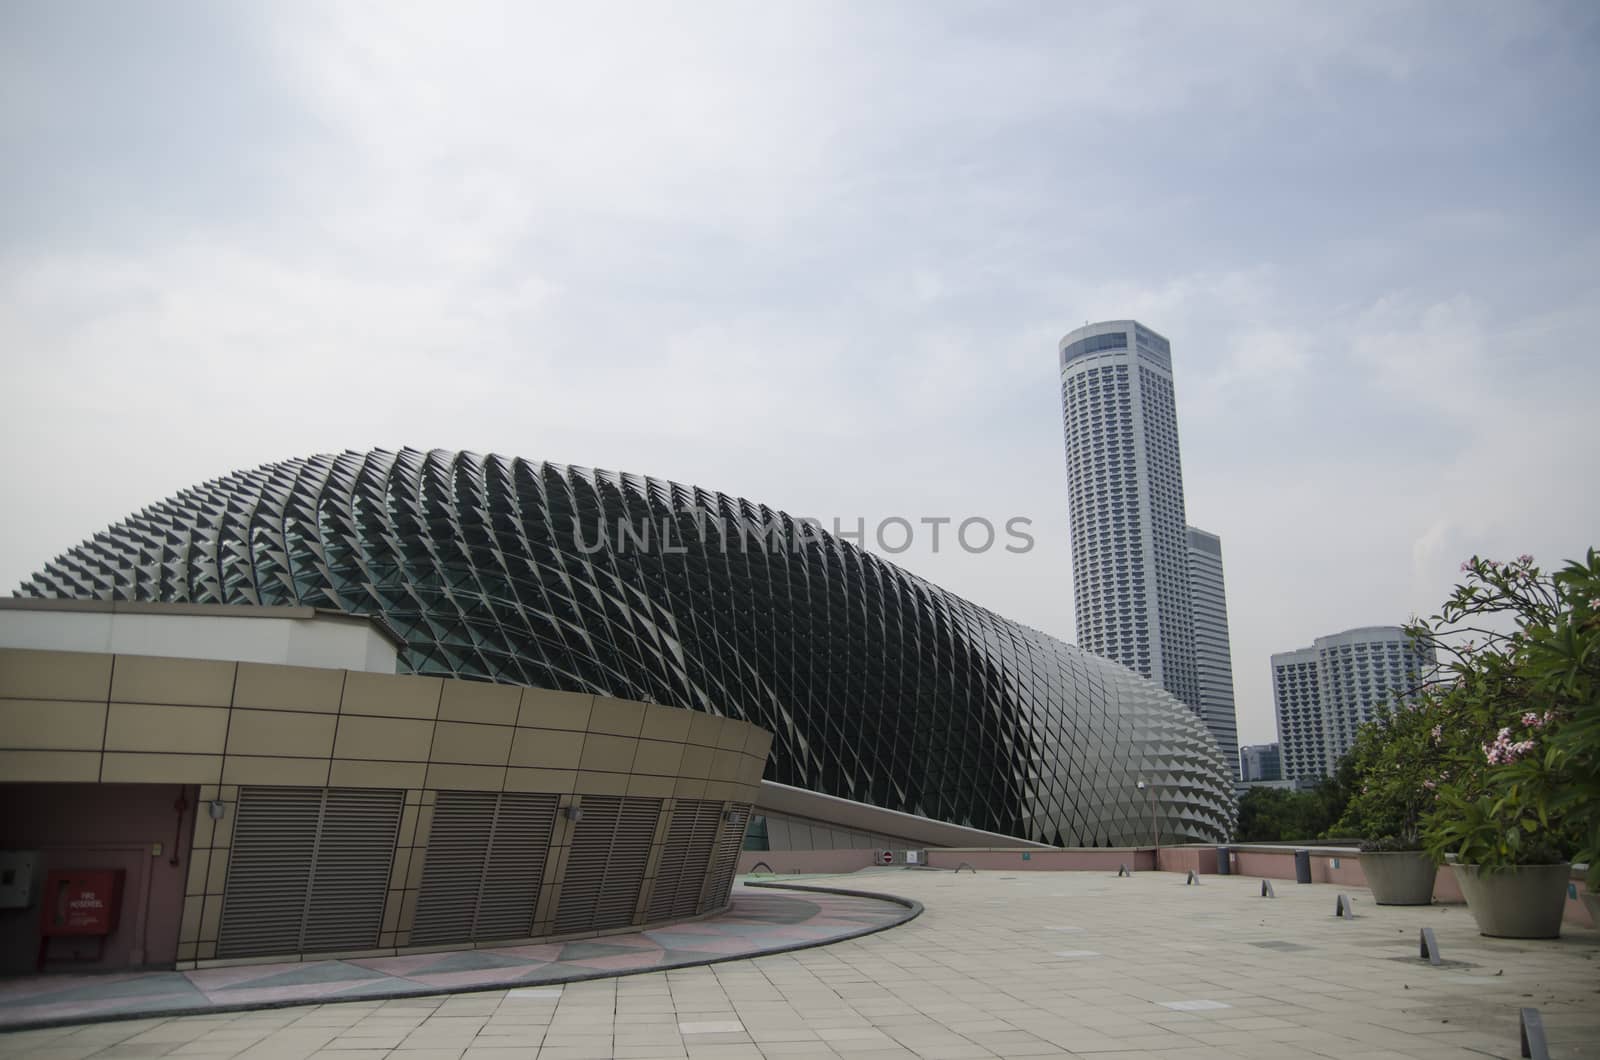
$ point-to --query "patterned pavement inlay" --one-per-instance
(757, 922)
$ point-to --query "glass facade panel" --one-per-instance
(878, 686)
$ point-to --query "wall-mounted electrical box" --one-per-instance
(18, 878)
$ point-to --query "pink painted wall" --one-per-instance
(1275, 864)
(93, 826)
(1083, 859)
(785, 862)
(1202, 860)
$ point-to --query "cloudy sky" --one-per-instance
(819, 255)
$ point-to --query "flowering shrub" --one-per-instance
(1516, 716)
(1397, 758)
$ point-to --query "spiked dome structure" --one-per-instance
(880, 687)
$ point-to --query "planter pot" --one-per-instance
(1591, 902)
(1525, 902)
(1399, 877)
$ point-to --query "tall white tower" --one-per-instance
(1130, 573)
(1213, 655)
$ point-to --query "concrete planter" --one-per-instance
(1399, 877)
(1525, 902)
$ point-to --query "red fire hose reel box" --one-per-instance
(81, 902)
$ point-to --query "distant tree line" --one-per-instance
(1277, 815)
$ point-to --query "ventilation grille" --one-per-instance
(726, 859)
(606, 863)
(681, 874)
(517, 856)
(308, 870)
(452, 874)
(485, 863)
(351, 878)
(269, 871)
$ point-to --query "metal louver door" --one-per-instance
(308, 870)
(269, 871)
(586, 863)
(452, 874)
(682, 871)
(518, 850)
(630, 856)
(606, 863)
(484, 866)
(726, 858)
(350, 879)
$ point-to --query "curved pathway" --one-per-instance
(758, 922)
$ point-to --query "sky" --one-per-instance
(820, 255)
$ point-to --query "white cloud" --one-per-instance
(820, 255)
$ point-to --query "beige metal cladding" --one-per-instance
(363, 812)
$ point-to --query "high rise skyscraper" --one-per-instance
(1302, 745)
(1259, 762)
(1324, 692)
(1130, 575)
(1213, 658)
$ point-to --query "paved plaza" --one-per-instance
(999, 964)
(758, 921)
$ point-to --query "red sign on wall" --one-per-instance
(81, 902)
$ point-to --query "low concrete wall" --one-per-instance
(1070, 859)
(1336, 865)
(1201, 860)
(789, 862)
(1343, 866)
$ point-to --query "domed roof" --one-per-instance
(878, 685)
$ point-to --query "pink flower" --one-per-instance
(1466, 567)
(1430, 785)
(1438, 733)
(1503, 751)
(1525, 559)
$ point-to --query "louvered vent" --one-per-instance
(726, 859)
(682, 871)
(630, 855)
(485, 863)
(269, 871)
(605, 866)
(452, 874)
(351, 878)
(308, 870)
(517, 856)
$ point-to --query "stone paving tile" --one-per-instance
(977, 977)
(758, 922)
